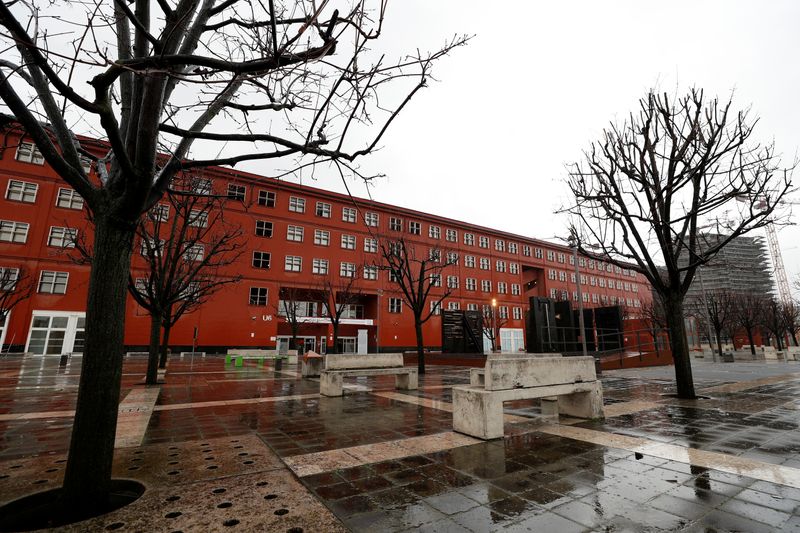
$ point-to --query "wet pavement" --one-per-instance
(282, 458)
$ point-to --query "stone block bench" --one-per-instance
(311, 365)
(336, 367)
(239, 356)
(566, 385)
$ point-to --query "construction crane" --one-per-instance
(784, 293)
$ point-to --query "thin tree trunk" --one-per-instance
(794, 337)
(156, 318)
(162, 362)
(719, 343)
(87, 478)
(673, 304)
(420, 347)
(335, 348)
(752, 341)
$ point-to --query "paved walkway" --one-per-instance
(257, 449)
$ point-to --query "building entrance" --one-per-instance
(56, 333)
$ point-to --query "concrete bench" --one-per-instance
(476, 375)
(566, 385)
(311, 365)
(238, 357)
(336, 367)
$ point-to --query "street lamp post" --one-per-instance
(574, 247)
(494, 324)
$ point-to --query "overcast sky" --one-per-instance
(487, 143)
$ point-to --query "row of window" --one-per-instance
(597, 298)
(593, 281)
(17, 232)
(592, 264)
(50, 282)
(25, 191)
(396, 306)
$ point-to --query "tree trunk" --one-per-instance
(794, 337)
(752, 342)
(335, 348)
(87, 478)
(719, 343)
(155, 341)
(162, 362)
(420, 347)
(673, 304)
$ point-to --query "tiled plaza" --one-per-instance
(258, 449)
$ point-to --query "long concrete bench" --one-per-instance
(238, 356)
(566, 385)
(476, 375)
(336, 367)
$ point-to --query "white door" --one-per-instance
(4, 321)
(56, 333)
(323, 344)
(511, 340)
(362, 342)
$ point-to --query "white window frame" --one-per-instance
(297, 204)
(293, 263)
(371, 219)
(62, 237)
(323, 209)
(295, 233)
(195, 252)
(28, 152)
(451, 235)
(370, 245)
(255, 295)
(14, 230)
(322, 237)
(348, 242)
(267, 198)
(260, 260)
(70, 197)
(469, 239)
(434, 232)
(414, 228)
(349, 214)
(23, 190)
(395, 305)
(237, 191)
(370, 272)
(52, 283)
(319, 266)
(266, 226)
(347, 269)
(469, 261)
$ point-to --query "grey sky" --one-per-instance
(487, 143)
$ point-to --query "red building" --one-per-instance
(296, 235)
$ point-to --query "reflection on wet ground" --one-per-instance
(387, 460)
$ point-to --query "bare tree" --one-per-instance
(790, 312)
(748, 314)
(289, 301)
(642, 192)
(773, 320)
(186, 244)
(339, 294)
(715, 309)
(16, 285)
(416, 276)
(296, 80)
(654, 317)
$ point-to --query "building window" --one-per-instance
(436, 308)
(436, 280)
(469, 239)
(349, 214)
(553, 294)
(452, 282)
(21, 191)
(266, 198)
(195, 252)
(561, 257)
(395, 224)
(471, 284)
(371, 219)
(201, 186)
(371, 272)
(526, 250)
(62, 237)
(151, 247)
(414, 228)
(258, 296)
(323, 210)
(8, 279)
(572, 260)
(159, 213)
(294, 233)
(500, 245)
(29, 153)
(395, 305)
(198, 219)
(435, 255)
(452, 258)
(501, 266)
(512, 247)
(483, 242)
(562, 276)
(319, 266)
(370, 245)
(551, 255)
(469, 261)
(484, 263)
(394, 276)
(322, 237)
(263, 228)
(349, 242)
(486, 285)
(517, 313)
(538, 253)
(551, 274)
(513, 268)
(236, 191)
(502, 312)
(261, 259)
(502, 287)
(297, 205)
(11, 231)
(347, 270)
(453, 306)
(293, 263)
(69, 199)
(53, 282)
(434, 232)
(472, 307)
(451, 235)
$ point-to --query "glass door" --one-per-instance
(56, 333)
